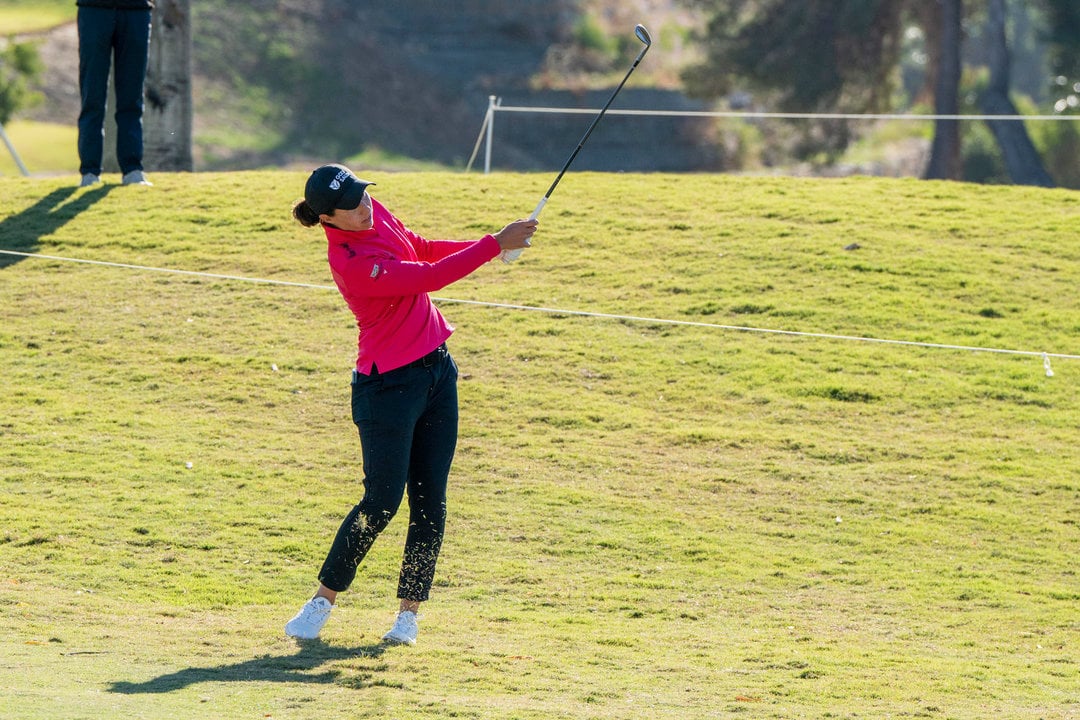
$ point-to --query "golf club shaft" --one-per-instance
(592, 127)
(511, 255)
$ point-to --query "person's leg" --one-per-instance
(95, 26)
(429, 468)
(433, 449)
(386, 409)
(132, 52)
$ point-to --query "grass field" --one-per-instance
(647, 519)
(44, 148)
(27, 16)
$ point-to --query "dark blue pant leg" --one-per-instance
(131, 52)
(95, 59)
(408, 421)
(433, 449)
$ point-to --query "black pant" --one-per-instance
(104, 35)
(408, 422)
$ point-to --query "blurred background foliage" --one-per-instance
(265, 74)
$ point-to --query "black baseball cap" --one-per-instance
(334, 187)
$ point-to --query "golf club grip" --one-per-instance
(509, 256)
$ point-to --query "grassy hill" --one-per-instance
(652, 514)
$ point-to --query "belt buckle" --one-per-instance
(432, 357)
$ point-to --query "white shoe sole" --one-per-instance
(397, 640)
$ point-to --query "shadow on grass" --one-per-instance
(22, 232)
(295, 668)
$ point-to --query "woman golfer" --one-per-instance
(404, 387)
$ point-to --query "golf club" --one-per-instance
(642, 35)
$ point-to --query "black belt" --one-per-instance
(430, 359)
(427, 361)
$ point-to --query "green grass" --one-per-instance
(646, 520)
(44, 148)
(26, 16)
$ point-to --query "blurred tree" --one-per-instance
(809, 56)
(1017, 150)
(814, 54)
(19, 66)
(945, 19)
(1063, 34)
(1062, 139)
(842, 56)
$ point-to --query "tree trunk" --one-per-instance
(926, 14)
(1021, 159)
(167, 119)
(945, 152)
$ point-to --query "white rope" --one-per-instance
(195, 273)
(779, 115)
(583, 313)
(768, 331)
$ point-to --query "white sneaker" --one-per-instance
(89, 179)
(135, 177)
(405, 629)
(309, 621)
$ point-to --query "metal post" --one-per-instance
(492, 102)
(479, 138)
(15, 155)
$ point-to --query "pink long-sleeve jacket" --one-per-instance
(385, 275)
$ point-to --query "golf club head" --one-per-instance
(643, 35)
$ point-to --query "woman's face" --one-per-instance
(359, 218)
